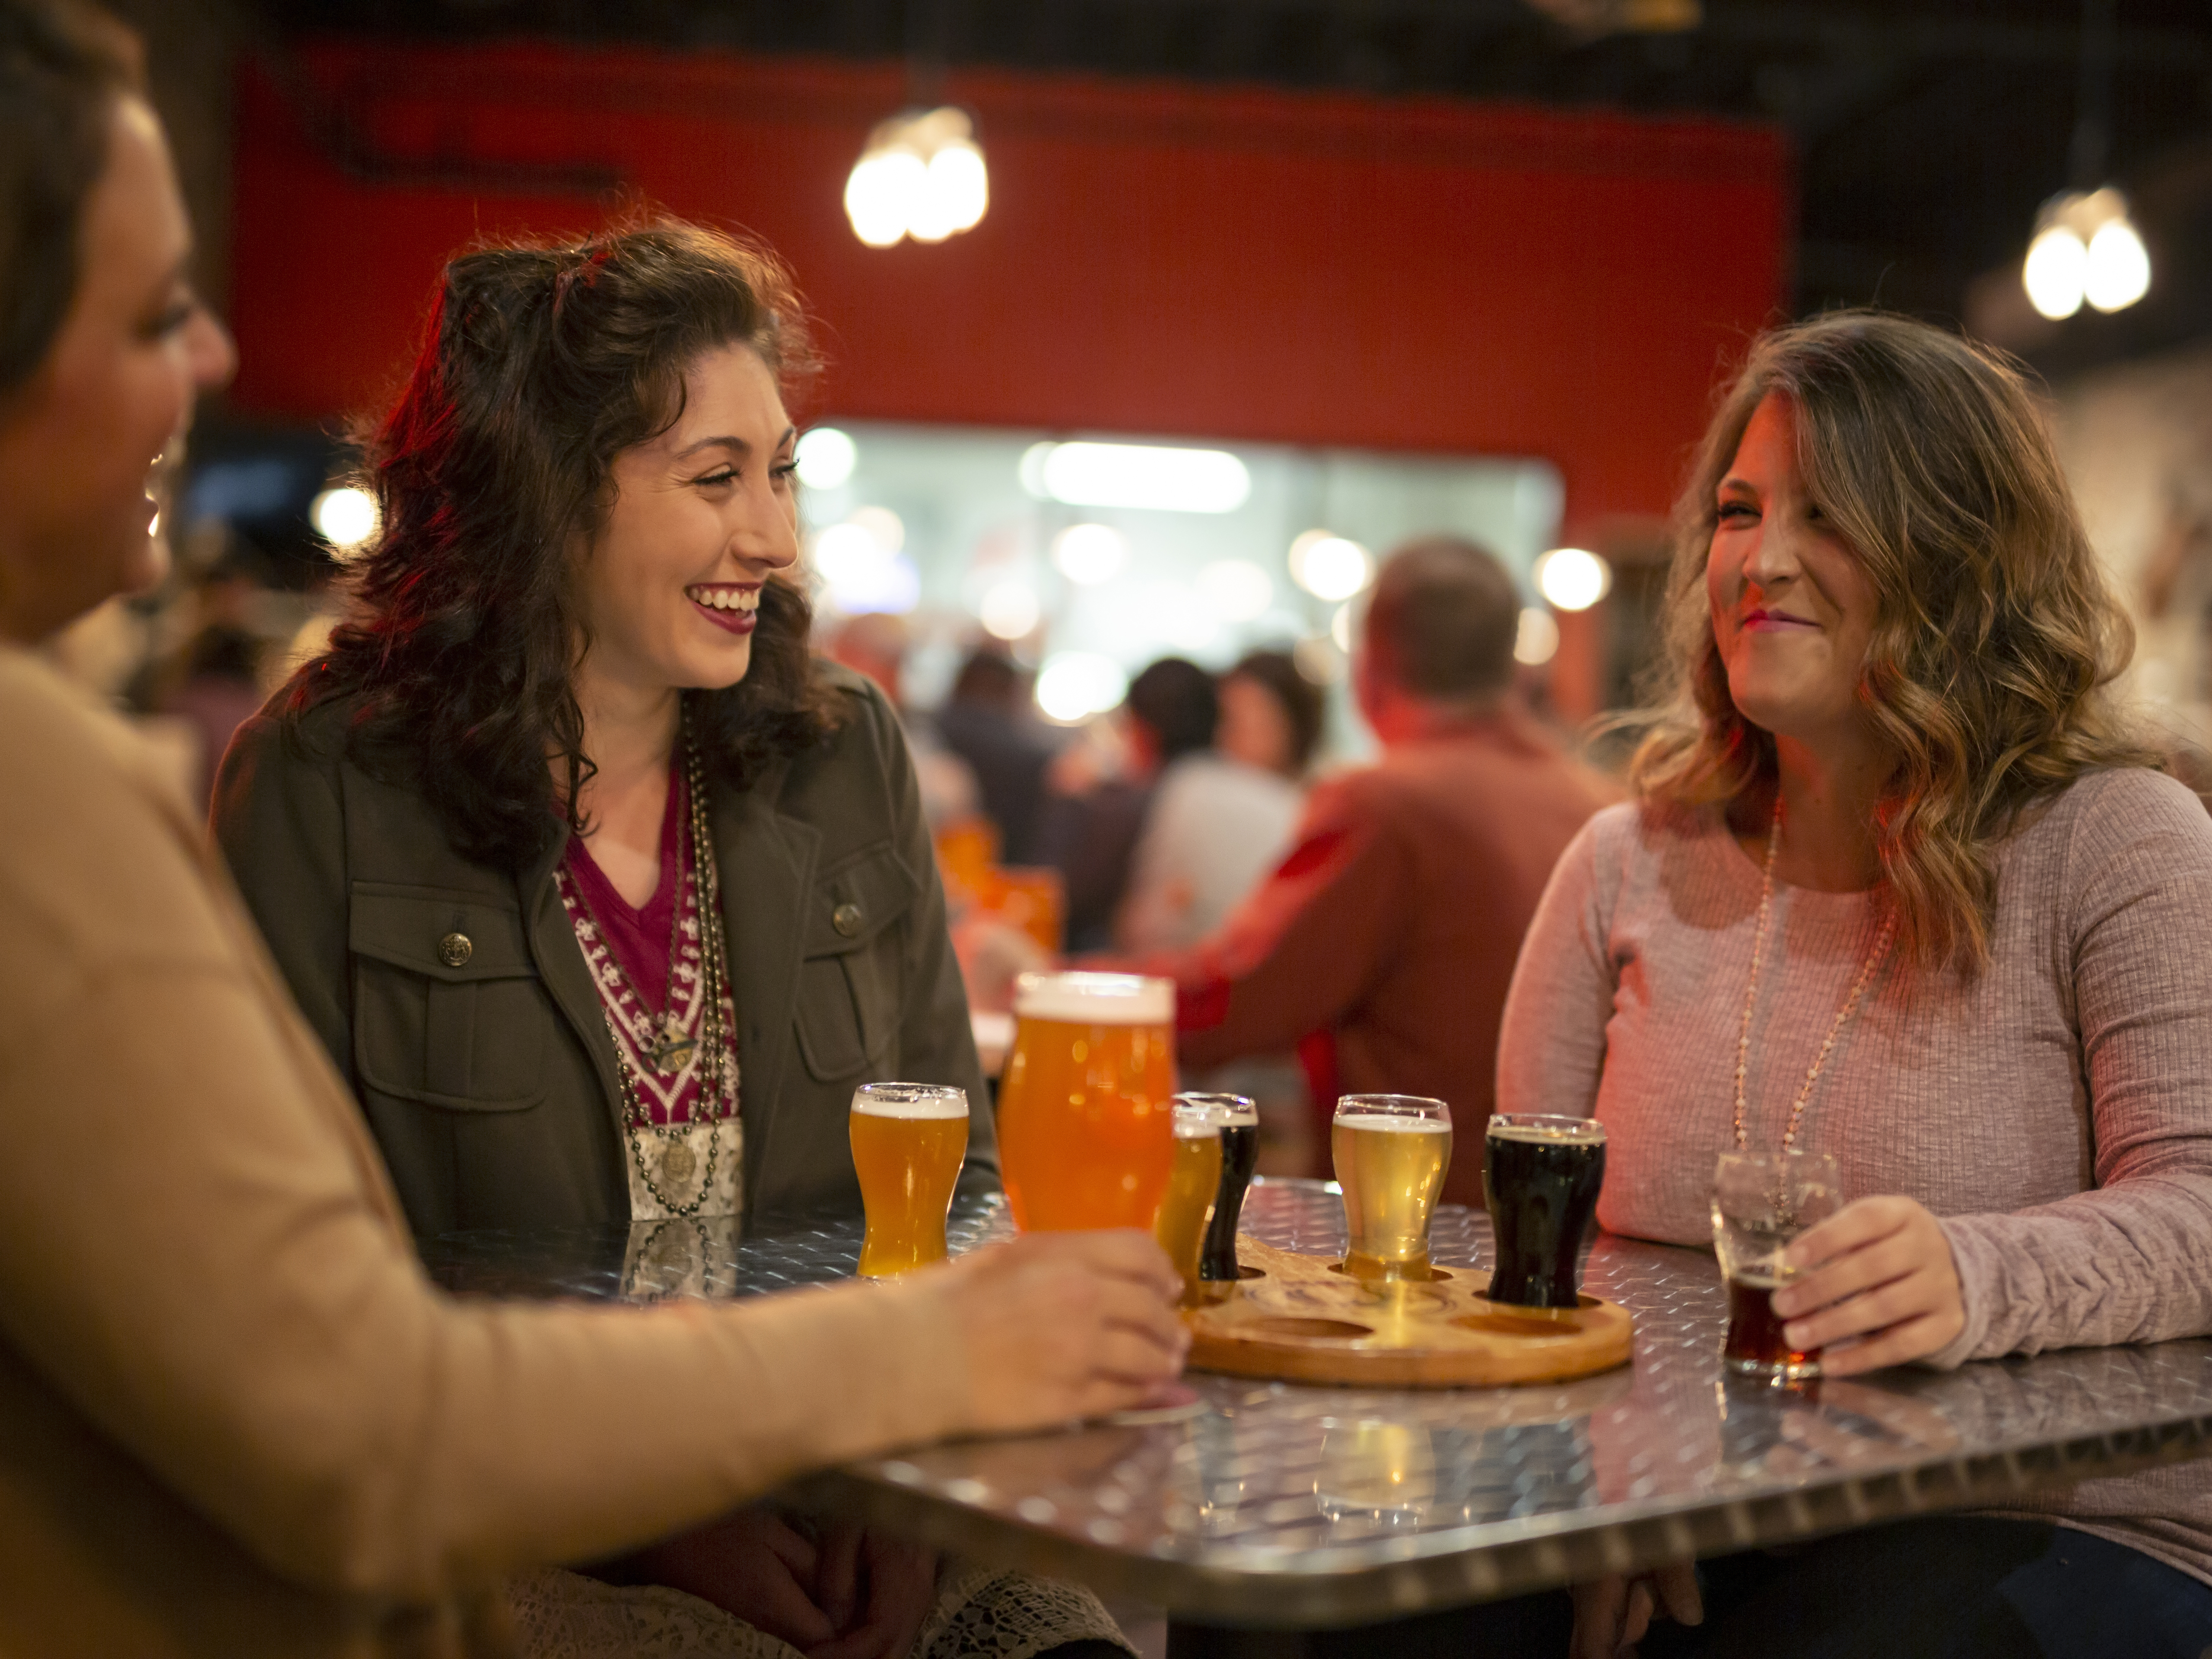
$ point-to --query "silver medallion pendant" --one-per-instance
(677, 1163)
(673, 1053)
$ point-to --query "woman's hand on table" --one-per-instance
(1058, 1326)
(1878, 1270)
(1613, 1615)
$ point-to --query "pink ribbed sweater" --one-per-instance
(2055, 1111)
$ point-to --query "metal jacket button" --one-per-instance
(847, 919)
(455, 950)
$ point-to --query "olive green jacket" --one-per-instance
(488, 1074)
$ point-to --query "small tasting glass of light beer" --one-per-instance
(1194, 1182)
(908, 1140)
(1540, 1177)
(1761, 1200)
(1086, 1135)
(1240, 1153)
(1391, 1153)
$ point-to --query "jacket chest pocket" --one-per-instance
(447, 1010)
(851, 975)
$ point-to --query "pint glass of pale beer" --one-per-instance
(908, 1140)
(1086, 1137)
(1240, 1155)
(1391, 1153)
(1193, 1184)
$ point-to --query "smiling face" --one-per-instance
(1792, 610)
(701, 513)
(78, 439)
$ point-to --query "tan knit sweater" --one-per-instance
(235, 1419)
(2055, 1111)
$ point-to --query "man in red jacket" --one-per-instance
(1382, 943)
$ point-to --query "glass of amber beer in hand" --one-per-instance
(1761, 1200)
(1086, 1136)
(1391, 1153)
(1193, 1186)
(908, 1140)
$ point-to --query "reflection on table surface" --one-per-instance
(1289, 1502)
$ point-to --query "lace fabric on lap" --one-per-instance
(980, 1614)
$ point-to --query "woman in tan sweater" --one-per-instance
(236, 1418)
(1899, 889)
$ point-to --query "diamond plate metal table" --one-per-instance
(1291, 1505)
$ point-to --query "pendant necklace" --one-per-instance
(1874, 960)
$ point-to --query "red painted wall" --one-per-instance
(1400, 275)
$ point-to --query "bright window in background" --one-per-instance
(1094, 584)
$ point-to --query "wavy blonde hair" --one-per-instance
(1995, 638)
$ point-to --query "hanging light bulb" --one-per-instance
(922, 175)
(2086, 247)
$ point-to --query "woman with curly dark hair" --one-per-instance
(603, 893)
(573, 716)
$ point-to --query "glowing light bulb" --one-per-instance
(1329, 566)
(881, 193)
(2117, 267)
(346, 517)
(2056, 273)
(1572, 578)
(1088, 554)
(826, 458)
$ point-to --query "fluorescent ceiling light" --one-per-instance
(1143, 476)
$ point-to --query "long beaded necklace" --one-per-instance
(676, 1159)
(1751, 994)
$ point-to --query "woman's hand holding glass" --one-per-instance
(1061, 1326)
(1879, 1270)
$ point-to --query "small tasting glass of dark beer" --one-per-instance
(1761, 1200)
(909, 1142)
(1540, 1178)
(1240, 1151)
(1391, 1153)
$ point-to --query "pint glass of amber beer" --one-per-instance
(1761, 1200)
(908, 1140)
(1391, 1153)
(1086, 1137)
(1193, 1184)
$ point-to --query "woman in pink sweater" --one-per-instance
(1898, 886)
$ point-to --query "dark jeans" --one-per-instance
(1944, 1587)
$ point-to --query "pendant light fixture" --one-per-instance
(921, 174)
(2086, 248)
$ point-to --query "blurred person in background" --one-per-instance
(875, 644)
(1271, 715)
(617, 948)
(986, 721)
(1103, 794)
(1382, 946)
(213, 682)
(1220, 817)
(236, 1418)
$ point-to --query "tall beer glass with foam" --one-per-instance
(1086, 1137)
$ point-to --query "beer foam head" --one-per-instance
(1095, 998)
(910, 1100)
(1392, 1123)
(1228, 1111)
(1552, 1131)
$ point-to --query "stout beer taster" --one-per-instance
(1761, 1200)
(1240, 1155)
(1540, 1177)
